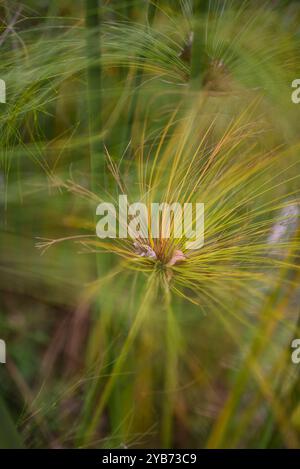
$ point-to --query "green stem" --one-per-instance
(170, 373)
(118, 365)
(151, 12)
(97, 161)
(94, 94)
(152, 9)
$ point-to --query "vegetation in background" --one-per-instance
(163, 101)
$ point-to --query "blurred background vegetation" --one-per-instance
(209, 367)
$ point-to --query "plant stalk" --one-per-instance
(9, 437)
(199, 56)
(94, 94)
